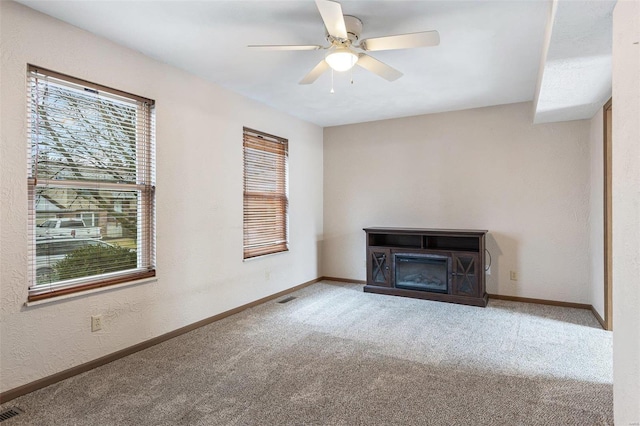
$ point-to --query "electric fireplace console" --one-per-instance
(435, 264)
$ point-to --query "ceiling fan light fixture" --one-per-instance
(341, 59)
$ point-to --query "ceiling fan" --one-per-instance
(347, 50)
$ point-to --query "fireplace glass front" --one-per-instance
(422, 272)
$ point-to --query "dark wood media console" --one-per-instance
(447, 265)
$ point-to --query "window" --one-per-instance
(265, 194)
(91, 166)
(72, 224)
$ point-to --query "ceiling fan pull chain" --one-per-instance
(332, 91)
(351, 75)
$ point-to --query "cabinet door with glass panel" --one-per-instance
(378, 267)
(466, 274)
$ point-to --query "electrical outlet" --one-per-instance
(96, 323)
(267, 275)
(513, 275)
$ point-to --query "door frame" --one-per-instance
(608, 253)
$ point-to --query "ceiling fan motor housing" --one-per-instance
(354, 29)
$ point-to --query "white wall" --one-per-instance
(487, 168)
(626, 212)
(596, 212)
(199, 203)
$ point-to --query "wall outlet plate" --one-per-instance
(513, 275)
(96, 323)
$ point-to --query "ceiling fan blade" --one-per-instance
(402, 41)
(379, 68)
(333, 18)
(285, 46)
(315, 72)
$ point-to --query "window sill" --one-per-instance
(262, 256)
(84, 293)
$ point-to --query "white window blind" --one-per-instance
(265, 194)
(91, 166)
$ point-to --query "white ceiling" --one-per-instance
(489, 54)
(576, 78)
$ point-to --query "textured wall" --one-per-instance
(626, 212)
(487, 168)
(199, 199)
(596, 212)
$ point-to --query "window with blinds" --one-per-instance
(91, 183)
(265, 194)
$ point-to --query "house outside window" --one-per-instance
(266, 202)
(91, 183)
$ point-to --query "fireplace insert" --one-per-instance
(426, 272)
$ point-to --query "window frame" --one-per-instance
(144, 187)
(277, 149)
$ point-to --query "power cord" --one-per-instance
(490, 260)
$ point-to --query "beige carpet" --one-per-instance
(338, 356)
